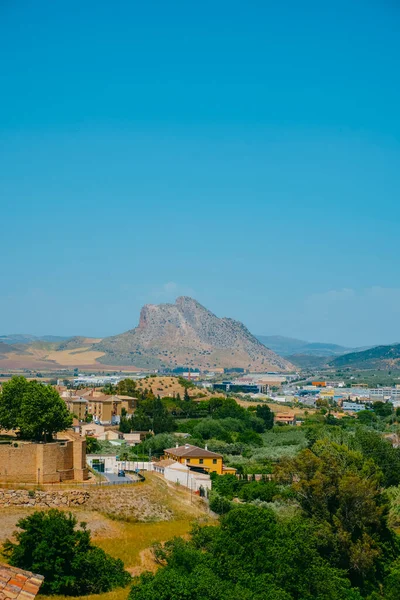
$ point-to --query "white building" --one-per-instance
(182, 475)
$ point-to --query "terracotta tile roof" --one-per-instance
(16, 584)
(191, 451)
(165, 462)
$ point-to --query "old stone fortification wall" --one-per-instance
(39, 498)
(63, 460)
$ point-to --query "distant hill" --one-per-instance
(78, 341)
(381, 357)
(187, 334)
(26, 338)
(7, 349)
(285, 346)
(308, 361)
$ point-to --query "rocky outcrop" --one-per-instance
(187, 334)
(40, 498)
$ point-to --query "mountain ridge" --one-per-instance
(383, 356)
(287, 346)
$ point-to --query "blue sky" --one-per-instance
(244, 153)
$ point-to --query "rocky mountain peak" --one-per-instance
(188, 334)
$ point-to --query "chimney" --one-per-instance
(187, 446)
(176, 445)
(206, 447)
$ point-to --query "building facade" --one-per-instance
(199, 459)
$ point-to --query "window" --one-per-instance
(214, 461)
(201, 461)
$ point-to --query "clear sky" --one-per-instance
(244, 153)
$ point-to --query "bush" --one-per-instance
(258, 490)
(50, 544)
(220, 505)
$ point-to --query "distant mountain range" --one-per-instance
(26, 338)
(184, 334)
(187, 334)
(286, 346)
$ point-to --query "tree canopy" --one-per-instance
(33, 409)
(250, 556)
(49, 543)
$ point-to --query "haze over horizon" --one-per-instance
(225, 152)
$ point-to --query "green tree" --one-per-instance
(125, 424)
(341, 490)
(249, 556)
(366, 417)
(127, 387)
(383, 409)
(36, 410)
(11, 400)
(92, 445)
(50, 544)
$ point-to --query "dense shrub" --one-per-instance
(219, 505)
(258, 490)
(50, 544)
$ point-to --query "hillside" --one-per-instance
(308, 361)
(6, 349)
(379, 357)
(187, 334)
(26, 338)
(286, 346)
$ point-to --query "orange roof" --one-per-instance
(191, 451)
(18, 584)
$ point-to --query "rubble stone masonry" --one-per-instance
(39, 498)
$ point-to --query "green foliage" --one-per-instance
(92, 445)
(366, 417)
(383, 409)
(151, 415)
(185, 383)
(340, 489)
(34, 409)
(50, 544)
(264, 412)
(250, 556)
(157, 444)
(125, 425)
(370, 443)
(109, 389)
(126, 387)
(226, 485)
(220, 408)
(258, 490)
(219, 504)
(251, 438)
(229, 487)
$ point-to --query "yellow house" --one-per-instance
(199, 459)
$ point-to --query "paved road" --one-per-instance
(115, 479)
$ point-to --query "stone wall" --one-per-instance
(38, 498)
(28, 462)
